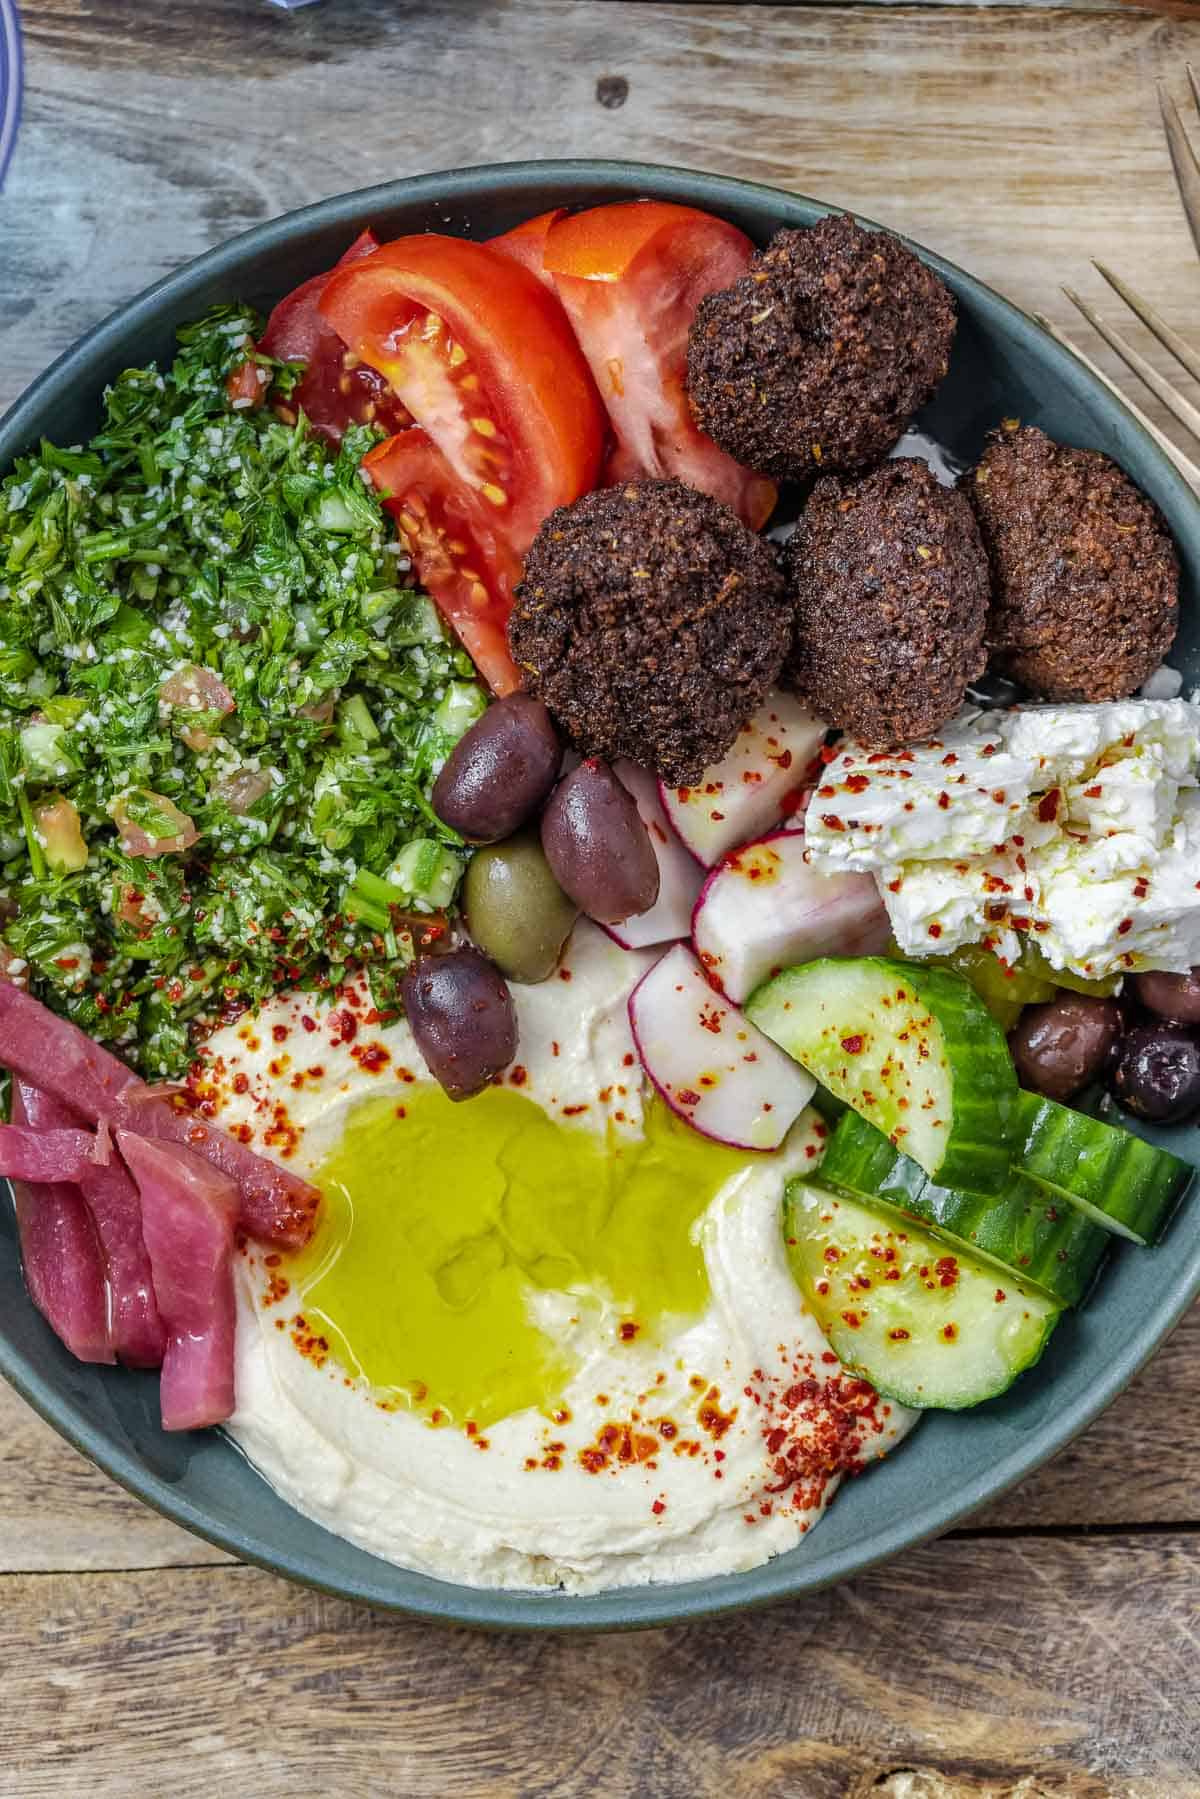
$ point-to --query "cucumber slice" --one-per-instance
(1114, 1178)
(1038, 1236)
(927, 1327)
(914, 1049)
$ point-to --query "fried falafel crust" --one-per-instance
(817, 358)
(1085, 573)
(652, 622)
(892, 584)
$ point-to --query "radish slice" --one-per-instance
(745, 793)
(764, 909)
(711, 1065)
(679, 879)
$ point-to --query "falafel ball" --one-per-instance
(1084, 572)
(818, 357)
(892, 583)
(652, 623)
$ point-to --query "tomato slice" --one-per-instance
(337, 390)
(482, 355)
(631, 276)
(526, 244)
(461, 559)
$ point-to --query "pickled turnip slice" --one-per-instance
(711, 1066)
(188, 1215)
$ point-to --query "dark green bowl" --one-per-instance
(1003, 364)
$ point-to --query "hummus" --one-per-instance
(611, 1393)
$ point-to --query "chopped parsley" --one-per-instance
(208, 652)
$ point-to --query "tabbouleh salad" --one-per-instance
(206, 642)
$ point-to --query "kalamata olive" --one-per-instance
(462, 1019)
(598, 847)
(1060, 1046)
(1158, 1072)
(500, 771)
(516, 911)
(1174, 996)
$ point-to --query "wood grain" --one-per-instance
(986, 1661)
(1020, 1658)
(1018, 143)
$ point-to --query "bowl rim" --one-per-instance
(12, 82)
(656, 1605)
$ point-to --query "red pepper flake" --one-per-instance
(687, 1096)
(658, 1507)
(853, 1045)
(518, 1075)
(309, 1024)
(826, 792)
(564, 974)
(827, 753)
(1093, 793)
(856, 783)
(628, 1329)
(899, 1335)
(895, 886)
(949, 1333)
(1125, 926)
(832, 822)
(343, 1027)
(1001, 1296)
(935, 930)
(1048, 806)
(573, 1111)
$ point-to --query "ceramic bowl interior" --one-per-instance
(1002, 365)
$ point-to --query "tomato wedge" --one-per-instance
(337, 389)
(461, 559)
(484, 359)
(526, 244)
(631, 276)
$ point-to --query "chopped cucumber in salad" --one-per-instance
(221, 712)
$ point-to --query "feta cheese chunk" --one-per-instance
(1078, 824)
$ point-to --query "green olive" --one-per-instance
(516, 911)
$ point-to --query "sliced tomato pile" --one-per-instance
(337, 389)
(480, 352)
(488, 363)
(463, 561)
(631, 277)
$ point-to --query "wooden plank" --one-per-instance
(985, 1662)
(1136, 1466)
(1019, 144)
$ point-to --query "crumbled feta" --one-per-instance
(1077, 824)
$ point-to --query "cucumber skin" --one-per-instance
(983, 1128)
(1021, 1232)
(898, 1383)
(1130, 1186)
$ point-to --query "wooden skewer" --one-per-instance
(1153, 321)
(1181, 409)
(1186, 467)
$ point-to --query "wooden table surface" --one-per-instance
(1050, 1647)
